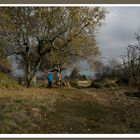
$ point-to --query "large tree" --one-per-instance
(43, 37)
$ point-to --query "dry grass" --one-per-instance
(36, 110)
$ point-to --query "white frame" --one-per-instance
(70, 135)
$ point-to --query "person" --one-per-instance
(50, 79)
(60, 79)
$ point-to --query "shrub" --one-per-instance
(96, 85)
(110, 85)
(6, 82)
(73, 83)
(101, 83)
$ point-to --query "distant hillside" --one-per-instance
(6, 82)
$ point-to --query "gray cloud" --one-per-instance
(120, 26)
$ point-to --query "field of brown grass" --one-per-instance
(42, 110)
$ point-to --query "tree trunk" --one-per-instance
(31, 75)
(28, 83)
(28, 75)
(28, 80)
(34, 79)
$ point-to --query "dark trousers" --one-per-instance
(49, 84)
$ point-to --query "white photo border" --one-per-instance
(70, 135)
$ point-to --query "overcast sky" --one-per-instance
(118, 31)
(121, 23)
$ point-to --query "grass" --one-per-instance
(36, 110)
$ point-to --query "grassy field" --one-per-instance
(42, 110)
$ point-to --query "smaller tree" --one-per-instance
(84, 77)
(131, 64)
(74, 74)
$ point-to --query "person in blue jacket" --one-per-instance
(50, 79)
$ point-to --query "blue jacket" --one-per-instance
(50, 77)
